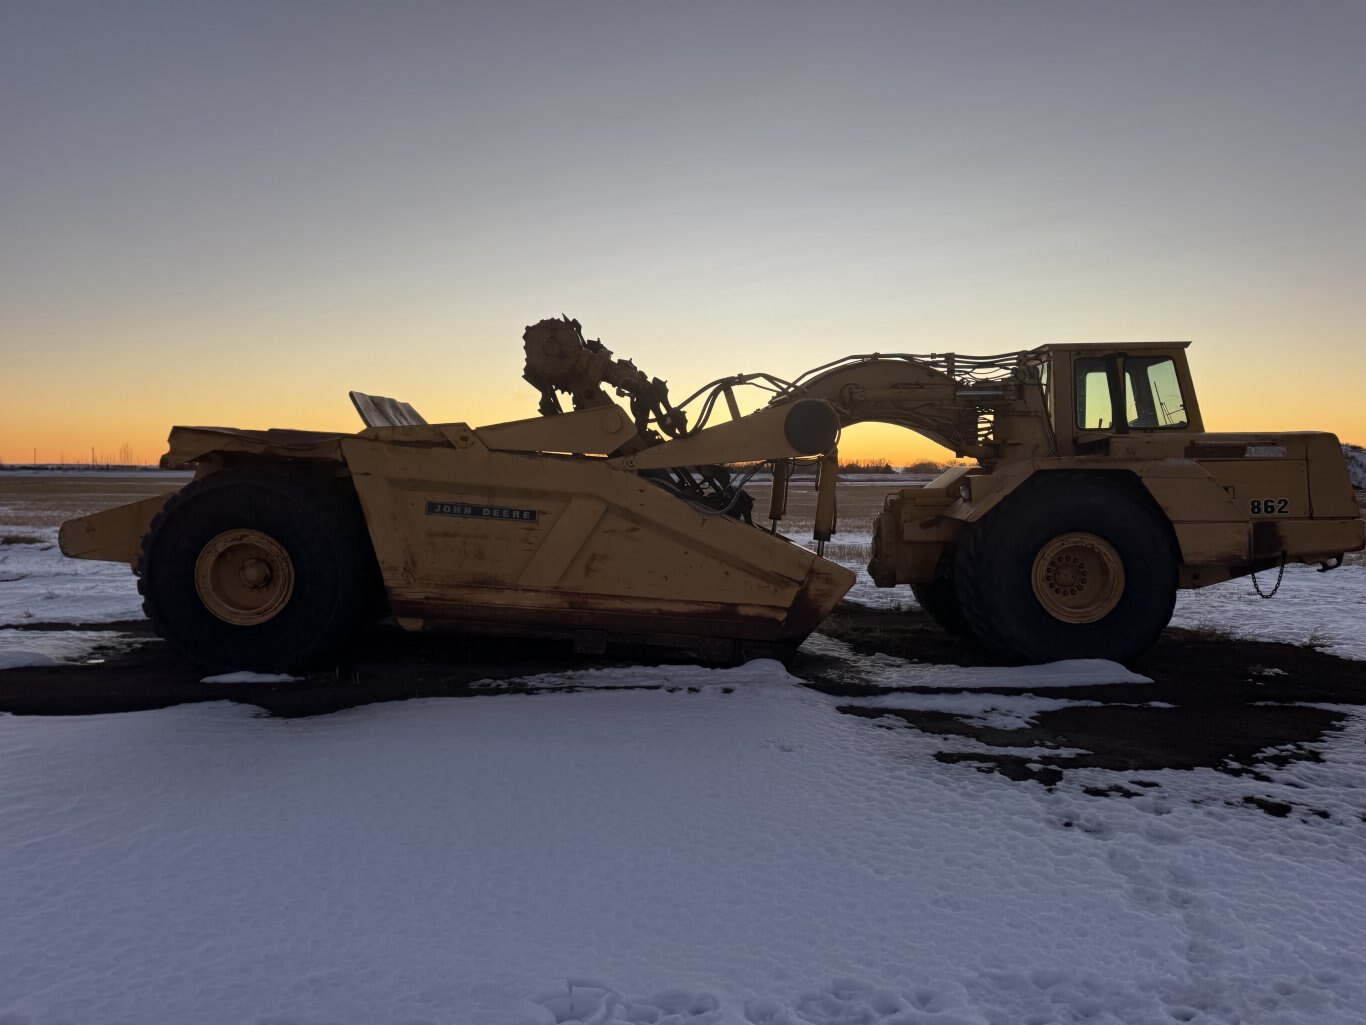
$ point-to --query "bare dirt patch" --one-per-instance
(1213, 702)
(385, 664)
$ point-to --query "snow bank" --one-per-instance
(908, 683)
(895, 673)
(918, 686)
(244, 676)
(729, 851)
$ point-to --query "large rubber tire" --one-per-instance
(940, 601)
(257, 568)
(1071, 566)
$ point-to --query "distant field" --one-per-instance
(858, 503)
(47, 500)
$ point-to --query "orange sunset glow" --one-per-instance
(233, 214)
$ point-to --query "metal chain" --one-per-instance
(1279, 574)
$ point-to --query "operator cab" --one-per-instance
(1098, 390)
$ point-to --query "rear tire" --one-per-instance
(1072, 566)
(257, 568)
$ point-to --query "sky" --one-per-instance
(233, 213)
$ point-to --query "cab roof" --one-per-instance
(1111, 346)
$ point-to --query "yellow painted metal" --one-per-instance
(1078, 577)
(244, 577)
(807, 427)
(111, 535)
(599, 431)
(777, 499)
(827, 481)
(572, 543)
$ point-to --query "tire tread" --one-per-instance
(341, 524)
(978, 593)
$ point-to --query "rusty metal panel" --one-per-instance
(187, 444)
(501, 537)
(382, 411)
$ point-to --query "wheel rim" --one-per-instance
(244, 577)
(1078, 578)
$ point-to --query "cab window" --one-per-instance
(1094, 410)
(1152, 394)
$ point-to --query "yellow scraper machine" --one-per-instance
(1096, 494)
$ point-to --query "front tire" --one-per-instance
(257, 568)
(1072, 566)
(939, 599)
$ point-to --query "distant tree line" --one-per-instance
(868, 466)
(885, 466)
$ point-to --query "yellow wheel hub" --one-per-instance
(1078, 578)
(244, 577)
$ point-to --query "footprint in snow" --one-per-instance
(842, 1002)
(583, 1002)
(846, 1002)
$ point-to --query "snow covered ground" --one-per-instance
(723, 849)
(730, 850)
(1325, 610)
(39, 584)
